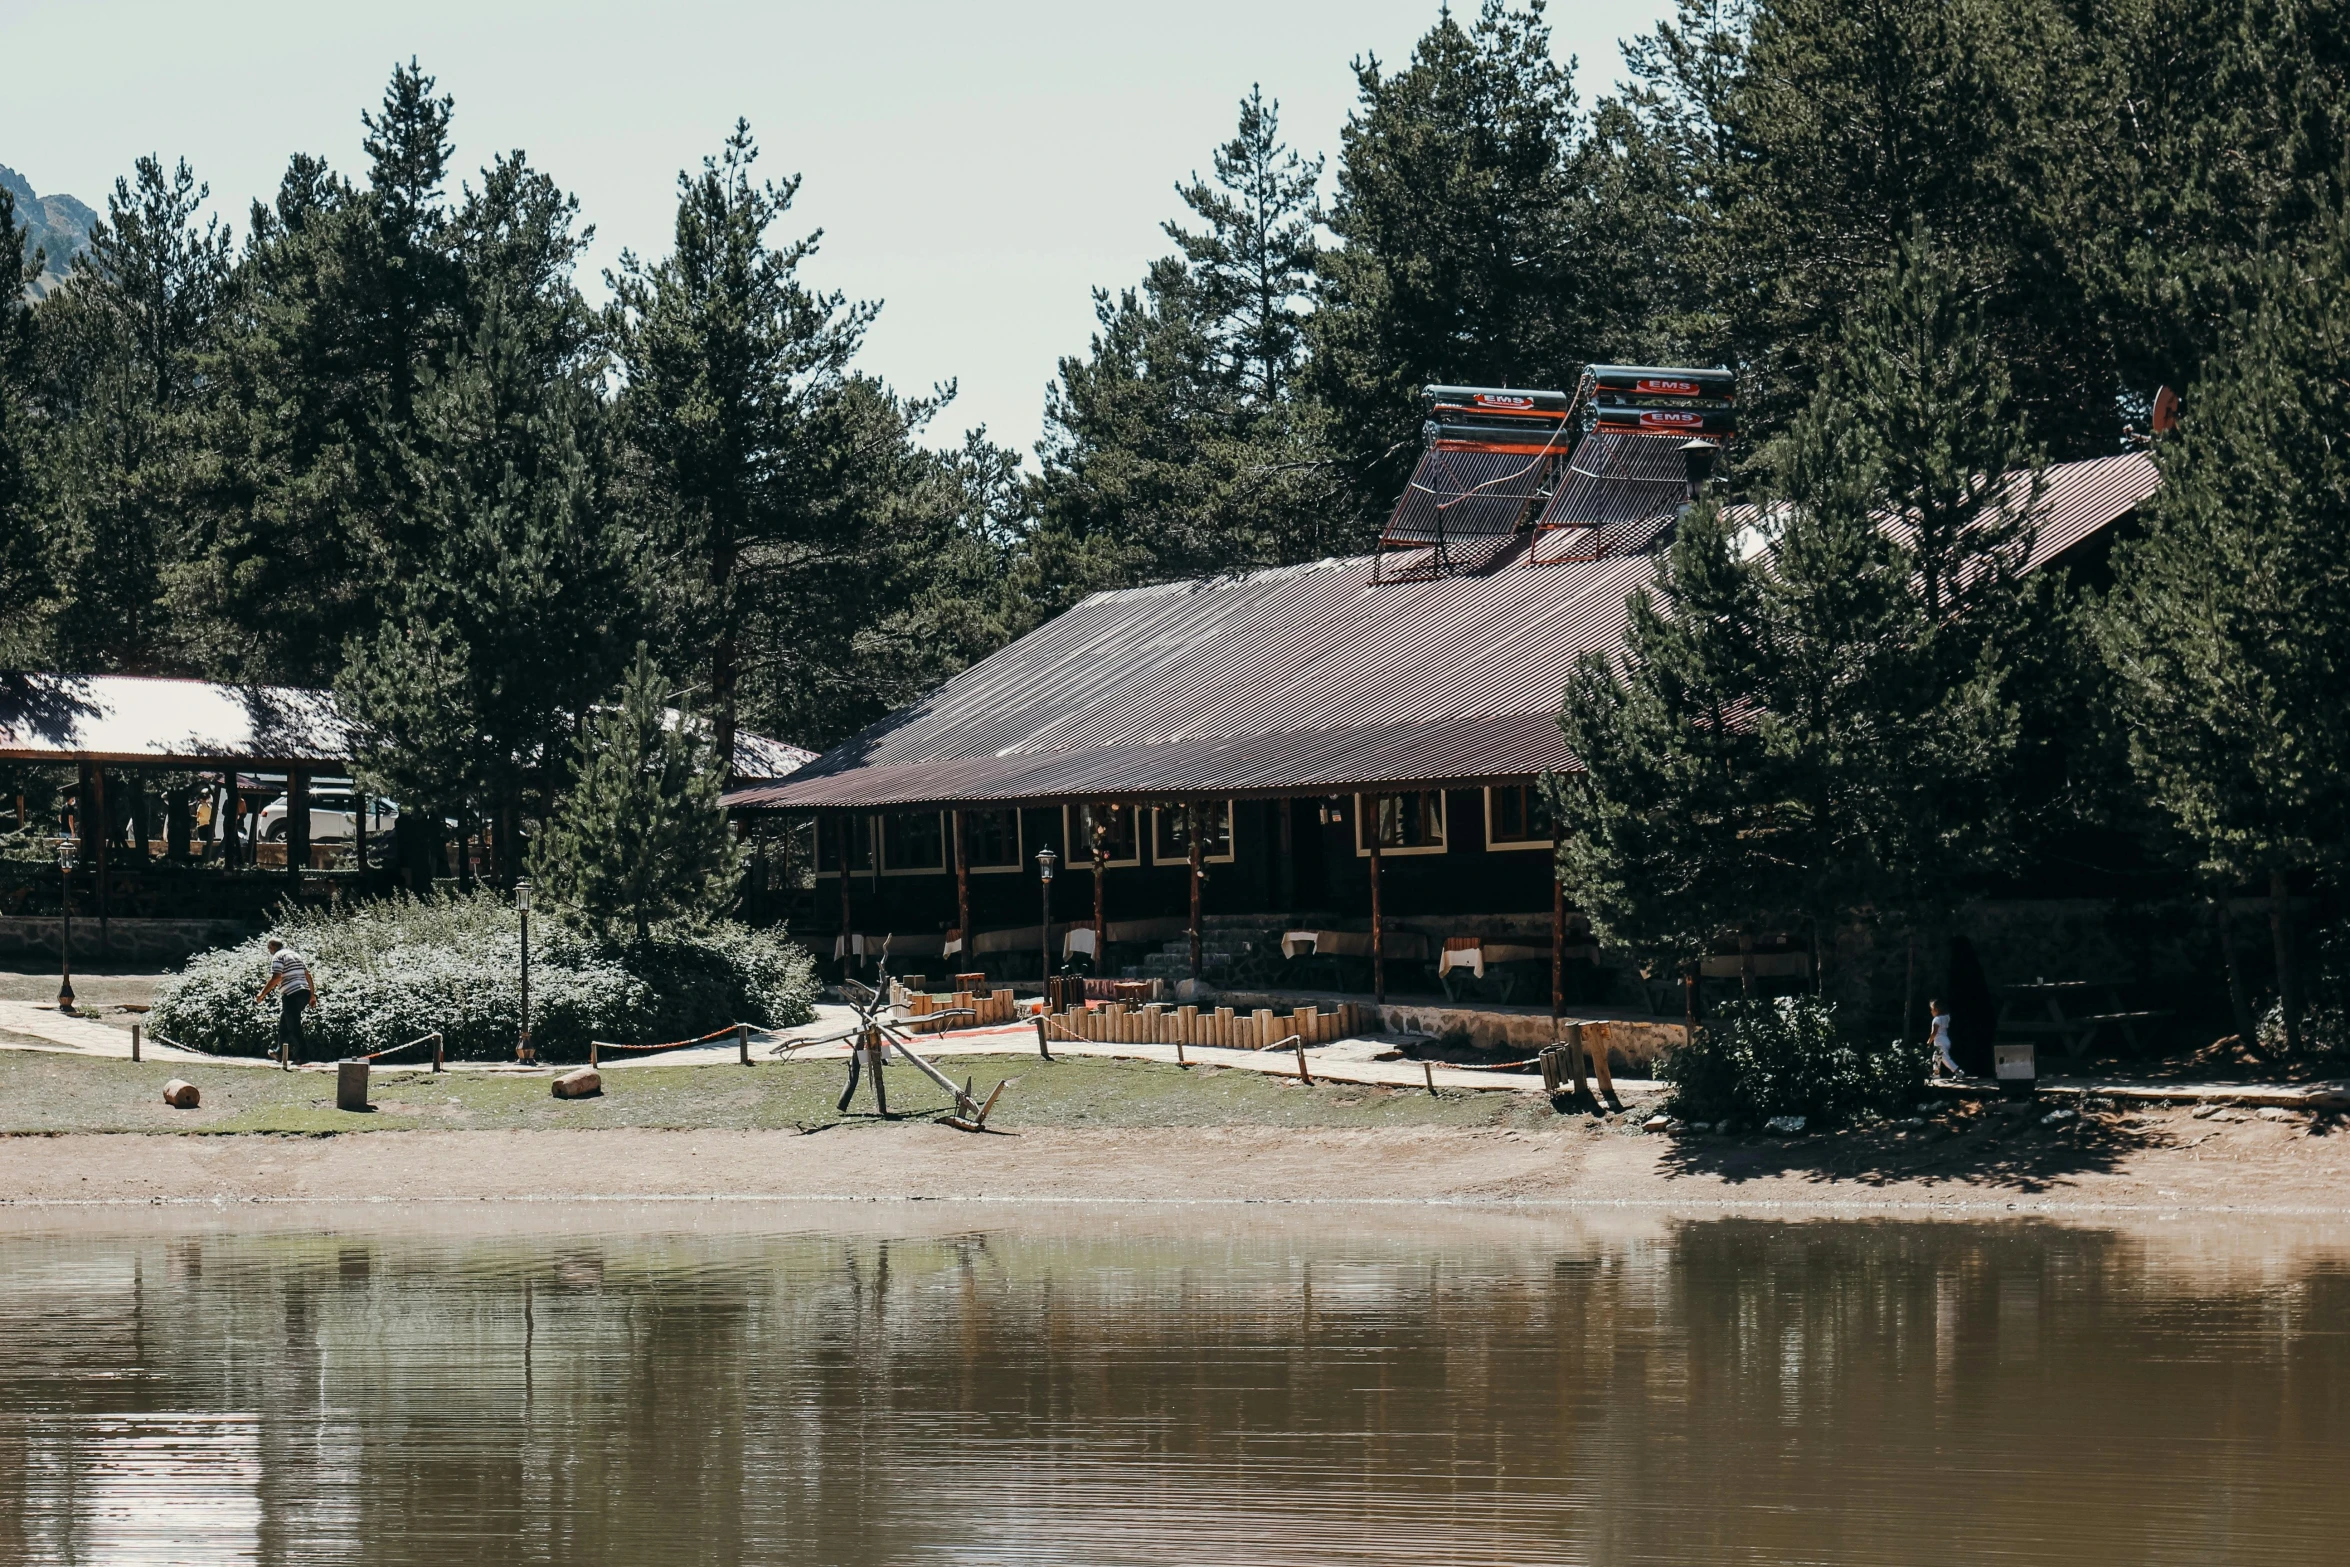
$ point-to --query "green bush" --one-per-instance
(1760, 1059)
(2325, 1008)
(393, 970)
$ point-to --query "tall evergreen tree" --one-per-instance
(1822, 720)
(1254, 263)
(514, 615)
(1474, 246)
(735, 373)
(639, 836)
(26, 575)
(350, 301)
(1181, 444)
(126, 339)
(2229, 624)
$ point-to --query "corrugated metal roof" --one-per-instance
(1306, 679)
(759, 759)
(134, 718)
(140, 718)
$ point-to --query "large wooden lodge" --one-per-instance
(1286, 712)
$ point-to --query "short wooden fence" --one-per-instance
(1117, 1023)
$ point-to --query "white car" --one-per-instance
(334, 816)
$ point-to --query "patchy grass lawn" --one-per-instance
(42, 1092)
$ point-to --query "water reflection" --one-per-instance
(1254, 1385)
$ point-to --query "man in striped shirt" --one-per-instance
(289, 975)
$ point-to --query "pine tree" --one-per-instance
(1474, 246)
(1180, 444)
(350, 301)
(1255, 261)
(26, 579)
(125, 341)
(515, 616)
(735, 374)
(1824, 721)
(639, 836)
(2229, 625)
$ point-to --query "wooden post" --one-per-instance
(962, 890)
(1101, 926)
(140, 821)
(95, 808)
(1043, 1048)
(134, 1041)
(1429, 1072)
(1378, 921)
(742, 1041)
(1191, 827)
(437, 1042)
(359, 814)
(297, 824)
(840, 827)
(1599, 1061)
(1284, 811)
(1558, 938)
(1303, 1075)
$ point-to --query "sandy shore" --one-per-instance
(2169, 1162)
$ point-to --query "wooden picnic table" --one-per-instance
(2072, 1012)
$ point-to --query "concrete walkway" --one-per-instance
(84, 1036)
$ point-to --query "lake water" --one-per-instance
(895, 1384)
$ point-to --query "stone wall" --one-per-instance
(138, 942)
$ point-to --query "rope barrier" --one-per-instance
(432, 1039)
(597, 1045)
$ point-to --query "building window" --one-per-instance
(1171, 833)
(1106, 825)
(913, 843)
(828, 840)
(1516, 817)
(1410, 823)
(991, 840)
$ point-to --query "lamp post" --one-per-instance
(1045, 861)
(65, 928)
(522, 1051)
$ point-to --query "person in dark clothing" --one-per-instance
(289, 976)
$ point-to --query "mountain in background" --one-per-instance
(60, 228)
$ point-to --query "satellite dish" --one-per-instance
(2166, 410)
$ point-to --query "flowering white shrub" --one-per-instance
(391, 971)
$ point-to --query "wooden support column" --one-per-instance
(1558, 969)
(1378, 920)
(102, 826)
(840, 826)
(297, 823)
(962, 891)
(1558, 940)
(86, 814)
(179, 811)
(1101, 926)
(141, 820)
(1191, 831)
(359, 814)
(1286, 810)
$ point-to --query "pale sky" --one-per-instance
(978, 168)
